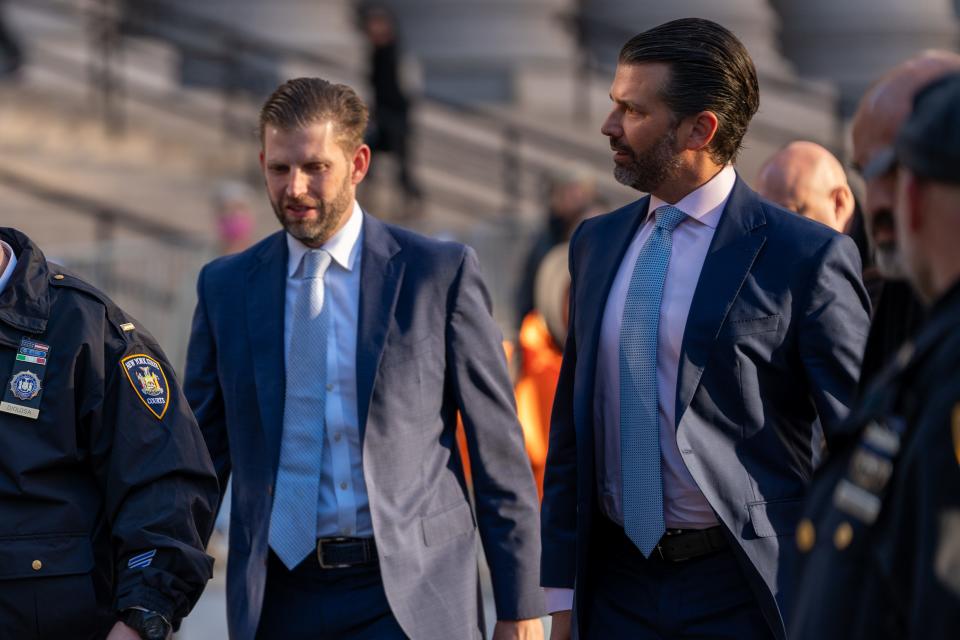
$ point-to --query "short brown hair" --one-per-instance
(300, 102)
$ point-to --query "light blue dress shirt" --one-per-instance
(11, 265)
(343, 508)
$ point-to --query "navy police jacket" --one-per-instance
(880, 543)
(106, 488)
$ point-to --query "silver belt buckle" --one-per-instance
(659, 550)
(324, 565)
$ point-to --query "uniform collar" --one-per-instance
(707, 202)
(11, 264)
(343, 247)
(25, 301)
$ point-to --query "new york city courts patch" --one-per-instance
(147, 378)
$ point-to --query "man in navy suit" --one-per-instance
(327, 367)
(714, 340)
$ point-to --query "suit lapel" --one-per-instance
(600, 271)
(380, 278)
(265, 299)
(732, 252)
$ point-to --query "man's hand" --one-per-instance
(121, 631)
(560, 630)
(530, 629)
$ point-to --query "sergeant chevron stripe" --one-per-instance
(142, 560)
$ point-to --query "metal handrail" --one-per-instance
(107, 216)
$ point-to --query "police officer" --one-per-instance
(880, 543)
(106, 488)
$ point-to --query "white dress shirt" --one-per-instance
(343, 508)
(684, 505)
(11, 265)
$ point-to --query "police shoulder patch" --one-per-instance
(147, 378)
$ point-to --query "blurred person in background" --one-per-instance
(233, 216)
(879, 115)
(11, 54)
(807, 179)
(106, 488)
(390, 127)
(880, 543)
(714, 340)
(540, 349)
(570, 198)
(327, 366)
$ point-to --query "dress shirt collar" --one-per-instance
(343, 247)
(706, 203)
(11, 265)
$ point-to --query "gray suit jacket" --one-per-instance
(768, 365)
(427, 348)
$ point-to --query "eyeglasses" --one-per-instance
(882, 163)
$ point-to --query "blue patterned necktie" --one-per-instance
(642, 482)
(293, 520)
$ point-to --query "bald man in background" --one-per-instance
(881, 113)
(806, 178)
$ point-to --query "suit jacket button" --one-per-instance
(37, 565)
(269, 489)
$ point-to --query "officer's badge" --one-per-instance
(147, 378)
(25, 385)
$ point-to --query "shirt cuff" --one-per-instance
(558, 599)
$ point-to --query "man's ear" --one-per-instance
(702, 129)
(263, 165)
(843, 205)
(360, 164)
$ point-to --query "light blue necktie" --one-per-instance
(642, 488)
(293, 520)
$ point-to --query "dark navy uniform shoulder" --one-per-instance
(82, 292)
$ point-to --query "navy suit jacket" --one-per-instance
(769, 363)
(426, 348)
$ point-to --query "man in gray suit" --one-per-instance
(327, 367)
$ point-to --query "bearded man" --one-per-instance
(327, 366)
(714, 341)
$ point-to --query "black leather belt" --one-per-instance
(338, 553)
(678, 545)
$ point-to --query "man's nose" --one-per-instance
(297, 185)
(611, 126)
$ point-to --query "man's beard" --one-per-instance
(650, 169)
(329, 214)
(888, 262)
(885, 256)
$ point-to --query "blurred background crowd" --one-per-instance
(129, 144)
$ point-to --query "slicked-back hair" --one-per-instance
(301, 102)
(710, 70)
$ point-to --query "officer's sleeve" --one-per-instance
(154, 471)
(833, 331)
(923, 553)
